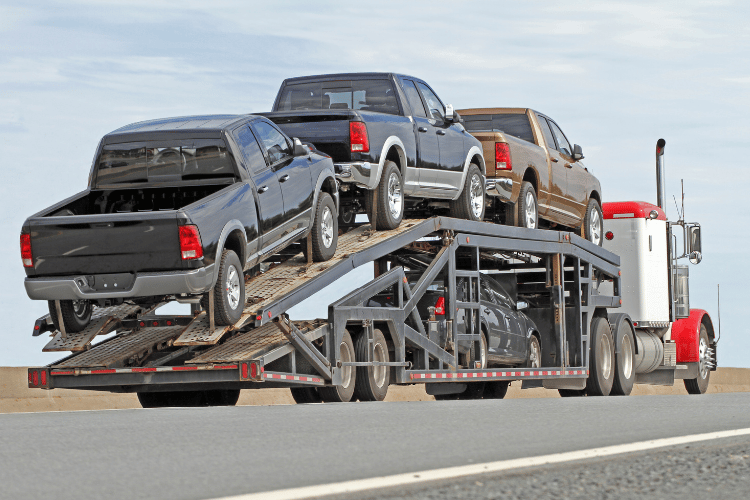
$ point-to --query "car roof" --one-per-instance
(198, 126)
(344, 76)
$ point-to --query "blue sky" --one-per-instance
(615, 75)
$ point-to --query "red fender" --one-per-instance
(686, 332)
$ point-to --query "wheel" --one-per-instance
(221, 397)
(342, 393)
(622, 384)
(571, 393)
(470, 203)
(699, 385)
(535, 353)
(602, 355)
(372, 381)
(390, 196)
(527, 207)
(496, 390)
(304, 395)
(325, 230)
(76, 314)
(592, 223)
(229, 291)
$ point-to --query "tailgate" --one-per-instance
(327, 130)
(107, 243)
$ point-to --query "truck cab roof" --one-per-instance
(345, 76)
(200, 126)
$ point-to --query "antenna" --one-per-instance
(718, 310)
(682, 184)
(677, 208)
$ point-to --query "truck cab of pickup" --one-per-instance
(179, 207)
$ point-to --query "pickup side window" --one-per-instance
(562, 142)
(412, 95)
(546, 132)
(250, 149)
(276, 146)
(433, 103)
(367, 95)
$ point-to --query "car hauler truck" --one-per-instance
(597, 331)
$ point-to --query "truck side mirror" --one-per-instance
(577, 152)
(449, 113)
(520, 305)
(299, 149)
(694, 244)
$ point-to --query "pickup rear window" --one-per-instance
(513, 124)
(163, 162)
(367, 95)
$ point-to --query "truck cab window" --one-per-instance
(547, 133)
(250, 149)
(273, 141)
(562, 142)
(412, 95)
(433, 103)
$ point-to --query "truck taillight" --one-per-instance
(26, 257)
(190, 243)
(502, 156)
(440, 306)
(358, 137)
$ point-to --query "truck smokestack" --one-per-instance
(661, 197)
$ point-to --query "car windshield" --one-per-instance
(513, 124)
(163, 161)
(366, 95)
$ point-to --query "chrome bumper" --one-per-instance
(362, 173)
(145, 285)
(501, 188)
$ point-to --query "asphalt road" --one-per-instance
(214, 452)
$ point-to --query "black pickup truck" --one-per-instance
(394, 143)
(175, 208)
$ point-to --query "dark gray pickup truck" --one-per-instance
(395, 145)
(175, 208)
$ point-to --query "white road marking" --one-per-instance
(469, 470)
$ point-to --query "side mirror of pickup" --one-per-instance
(577, 152)
(299, 149)
(450, 115)
(521, 305)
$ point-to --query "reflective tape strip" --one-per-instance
(496, 374)
(295, 378)
(107, 371)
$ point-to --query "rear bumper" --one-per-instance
(361, 173)
(145, 285)
(499, 187)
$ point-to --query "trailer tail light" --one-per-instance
(26, 257)
(358, 137)
(190, 243)
(502, 156)
(440, 306)
(609, 235)
(250, 370)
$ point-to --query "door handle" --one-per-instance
(263, 190)
(422, 129)
(554, 160)
(568, 165)
(441, 132)
(284, 178)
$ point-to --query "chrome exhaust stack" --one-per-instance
(661, 197)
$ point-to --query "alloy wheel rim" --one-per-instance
(378, 372)
(477, 196)
(79, 308)
(326, 226)
(626, 351)
(605, 355)
(703, 358)
(534, 357)
(346, 371)
(530, 211)
(395, 198)
(233, 287)
(595, 227)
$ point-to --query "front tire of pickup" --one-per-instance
(592, 228)
(76, 314)
(229, 291)
(527, 206)
(470, 203)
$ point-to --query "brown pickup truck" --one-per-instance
(534, 176)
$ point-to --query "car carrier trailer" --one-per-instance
(573, 289)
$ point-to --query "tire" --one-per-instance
(601, 359)
(496, 390)
(527, 207)
(221, 397)
(535, 353)
(305, 395)
(699, 385)
(344, 392)
(470, 203)
(229, 291)
(624, 363)
(390, 196)
(325, 230)
(372, 381)
(76, 314)
(593, 223)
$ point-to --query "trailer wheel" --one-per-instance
(496, 390)
(470, 203)
(372, 381)
(591, 229)
(527, 207)
(624, 363)
(305, 395)
(390, 196)
(601, 359)
(76, 314)
(699, 385)
(221, 397)
(342, 393)
(229, 291)
(325, 230)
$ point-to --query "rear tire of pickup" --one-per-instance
(390, 196)
(76, 314)
(305, 395)
(344, 392)
(601, 359)
(527, 207)
(229, 291)
(325, 230)
(592, 228)
(471, 202)
(372, 381)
